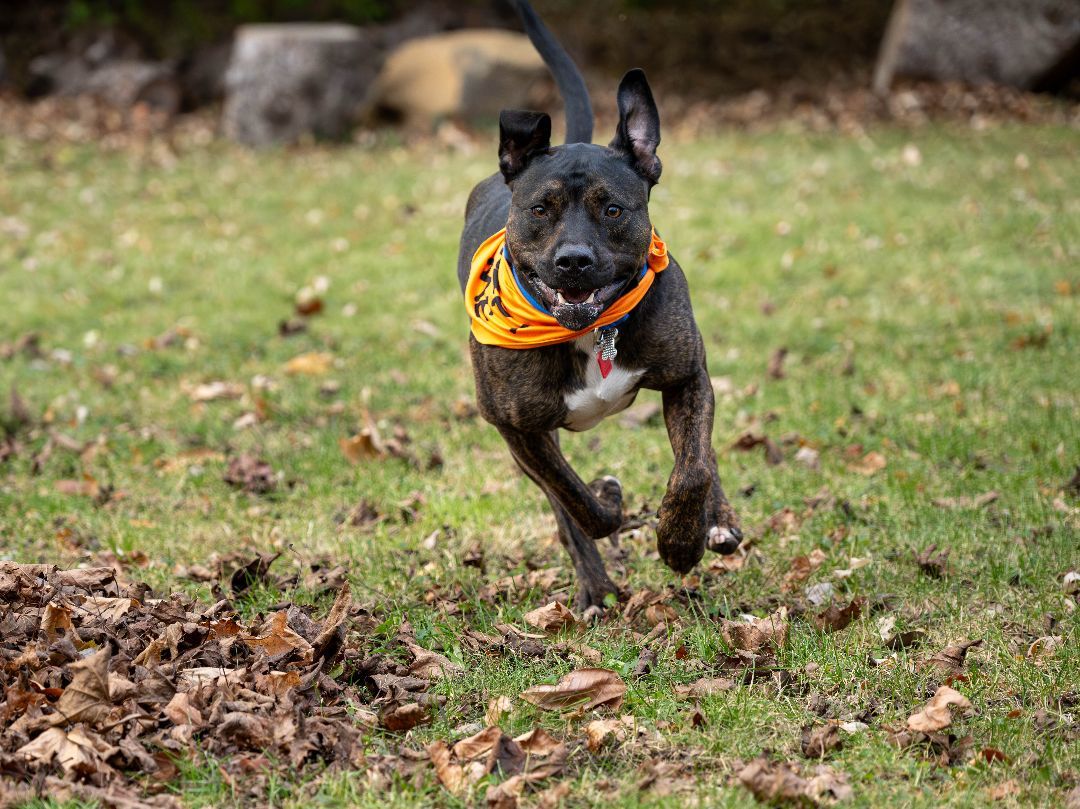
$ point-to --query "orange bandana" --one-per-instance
(504, 314)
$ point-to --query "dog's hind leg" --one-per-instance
(599, 501)
(593, 582)
(596, 508)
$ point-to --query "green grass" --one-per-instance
(950, 283)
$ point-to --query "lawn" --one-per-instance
(926, 287)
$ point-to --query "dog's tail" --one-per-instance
(571, 84)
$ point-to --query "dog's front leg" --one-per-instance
(694, 508)
(593, 583)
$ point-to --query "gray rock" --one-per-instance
(288, 81)
(1021, 43)
(125, 83)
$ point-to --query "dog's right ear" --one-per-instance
(522, 134)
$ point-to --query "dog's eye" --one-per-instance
(613, 211)
(538, 210)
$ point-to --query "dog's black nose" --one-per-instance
(574, 258)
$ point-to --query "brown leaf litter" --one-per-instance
(783, 784)
(103, 678)
(526, 759)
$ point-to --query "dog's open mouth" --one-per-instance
(576, 309)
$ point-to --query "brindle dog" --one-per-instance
(578, 232)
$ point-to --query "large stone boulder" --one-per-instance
(1021, 43)
(467, 75)
(287, 81)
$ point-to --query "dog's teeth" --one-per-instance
(559, 299)
(591, 298)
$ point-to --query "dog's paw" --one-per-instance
(608, 491)
(723, 539)
(593, 598)
(682, 527)
(681, 542)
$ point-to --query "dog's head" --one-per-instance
(579, 228)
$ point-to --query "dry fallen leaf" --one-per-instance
(538, 742)
(870, 464)
(498, 708)
(1044, 647)
(727, 564)
(935, 715)
(656, 614)
(992, 754)
(430, 665)
(933, 565)
(551, 618)
(56, 622)
(505, 795)
(479, 744)
(950, 660)
(213, 391)
(450, 774)
(809, 457)
(835, 618)
(754, 636)
(278, 638)
(404, 717)
(801, 568)
(1072, 800)
(776, 363)
(180, 711)
(583, 689)
(331, 628)
(313, 363)
(704, 687)
(818, 741)
(75, 750)
(360, 447)
(1006, 789)
(86, 698)
(781, 784)
(967, 501)
(599, 729)
(251, 474)
(105, 609)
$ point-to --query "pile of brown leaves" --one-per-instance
(103, 682)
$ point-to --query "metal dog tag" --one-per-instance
(605, 342)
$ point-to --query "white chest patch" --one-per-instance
(601, 396)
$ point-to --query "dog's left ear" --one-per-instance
(638, 133)
(521, 135)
